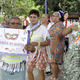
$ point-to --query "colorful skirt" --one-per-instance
(40, 57)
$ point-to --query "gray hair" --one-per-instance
(13, 18)
(58, 14)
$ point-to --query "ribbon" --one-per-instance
(35, 26)
(66, 24)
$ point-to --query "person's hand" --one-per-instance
(29, 47)
(34, 43)
(75, 28)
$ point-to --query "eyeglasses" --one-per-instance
(54, 16)
(13, 23)
(33, 17)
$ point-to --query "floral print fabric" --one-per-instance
(57, 56)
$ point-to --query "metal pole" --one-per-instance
(46, 12)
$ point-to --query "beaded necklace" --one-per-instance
(30, 31)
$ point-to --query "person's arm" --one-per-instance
(65, 32)
(68, 30)
(43, 44)
(58, 37)
(31, 47)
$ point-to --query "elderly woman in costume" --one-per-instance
(13, 67)
(57, 33)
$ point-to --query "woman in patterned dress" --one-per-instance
(57, 34)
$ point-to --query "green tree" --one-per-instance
(55, 5)
(78, 6)
(17, 7)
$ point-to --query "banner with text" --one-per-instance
(12, 41)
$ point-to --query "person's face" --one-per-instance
(55, 17)
(25, 17)
(5, 18)
(15, 23)
(66, 16)
(44, 18)
(33, 19)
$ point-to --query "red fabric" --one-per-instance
(26, 22)
(66, 24)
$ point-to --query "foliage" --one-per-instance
(17, 7)
(22, 7)
(55, 5)
(78, 6)
(1, 19)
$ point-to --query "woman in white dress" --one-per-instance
(46, 22)
(39, 39)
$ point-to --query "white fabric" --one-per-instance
(12, 59)
(49, 25)
(76, 23)
(25, 23)
(68, 23)
(47, 47)
(41, 32)
(38, 35)
(74, 37)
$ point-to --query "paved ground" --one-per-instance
(36, 75)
